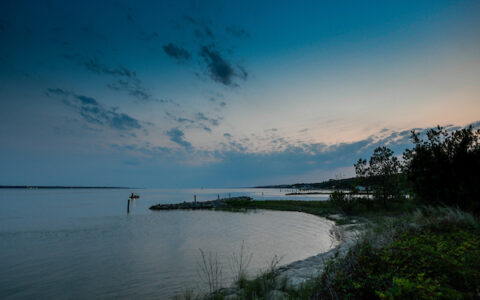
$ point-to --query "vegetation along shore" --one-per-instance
(413, 233)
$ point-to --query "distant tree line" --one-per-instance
(343, 184)
(443, 168)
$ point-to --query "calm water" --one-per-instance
(77, 244)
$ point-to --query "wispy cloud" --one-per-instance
(95, 66)
(202, 117)
(199, 120)
(178, 137)
(215, 63)
(133, 87)
(95, 113)
(127, 79)
(129, 83)
(180, 120)
(220, 70)
(179, 53)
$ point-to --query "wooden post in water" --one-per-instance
(128, 206)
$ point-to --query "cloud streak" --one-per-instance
(178, 137)
(95, 113)
(199, 120)
(127, 79)
(218, 68)
(179, 53)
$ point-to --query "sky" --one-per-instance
(169, 94)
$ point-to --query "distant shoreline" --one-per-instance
(35, 187)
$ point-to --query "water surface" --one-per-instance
(82, 243)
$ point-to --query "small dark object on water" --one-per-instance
(133, 196)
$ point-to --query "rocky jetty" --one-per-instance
(219, 203)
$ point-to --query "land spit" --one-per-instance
(219, 203)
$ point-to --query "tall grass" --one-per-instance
(210, 271)
(265, 282)
(239, 264)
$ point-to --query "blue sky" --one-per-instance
(224, 93)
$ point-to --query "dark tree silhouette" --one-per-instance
(381, 174)
(444, 168)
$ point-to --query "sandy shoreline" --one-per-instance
(298, 272)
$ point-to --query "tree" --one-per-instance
(444, 168)
(381, 174)
(363, 179)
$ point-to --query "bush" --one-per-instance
(437, 259)
(342, 201)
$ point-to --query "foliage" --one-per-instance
(439, 259)
(444, 168)
(381, 174)
(344, 184)
(363, 177)
(344, 202)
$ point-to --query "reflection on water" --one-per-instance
(82, 243)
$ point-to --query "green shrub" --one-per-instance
(437, 261)
(342, 201)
